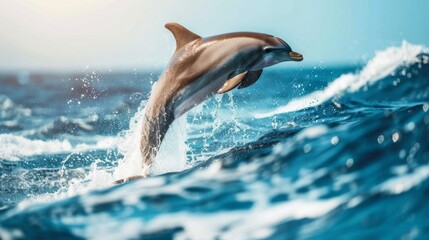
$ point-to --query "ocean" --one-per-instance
(326, 152)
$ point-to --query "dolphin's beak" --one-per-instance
(296, 56)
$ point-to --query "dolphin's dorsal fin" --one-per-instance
(182, 35)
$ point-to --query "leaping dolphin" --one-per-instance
(200, 68)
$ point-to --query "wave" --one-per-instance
(15, 148)
(252, 195)
(10, 110)
(316, 177)
(64, 125)
(382, 65)
(404, 182)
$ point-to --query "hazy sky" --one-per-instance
(125, 34)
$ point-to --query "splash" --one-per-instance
(171, 155)
(129, 146)
(384, 63)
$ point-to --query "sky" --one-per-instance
(64, 35)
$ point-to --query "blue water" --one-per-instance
(305, 153)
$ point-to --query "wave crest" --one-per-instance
(382, 65)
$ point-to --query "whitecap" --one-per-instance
(14, 148)
(384, 63)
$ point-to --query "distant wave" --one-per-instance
(382, 65)
(9, 109)
(14, 148)
(64, 125)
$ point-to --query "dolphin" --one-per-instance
(200, 68)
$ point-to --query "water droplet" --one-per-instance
(395, 137)
(307, 148)
(402, 153)
(425, 107)
(410, 126)
(136, 96)
(334, 140)
(380, 139)
(337, 104)
(349, 162)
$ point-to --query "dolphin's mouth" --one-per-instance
(296, 56)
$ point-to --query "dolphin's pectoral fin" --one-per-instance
(181, 34)
(232, 83)
(241, 80)
(250, 79)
